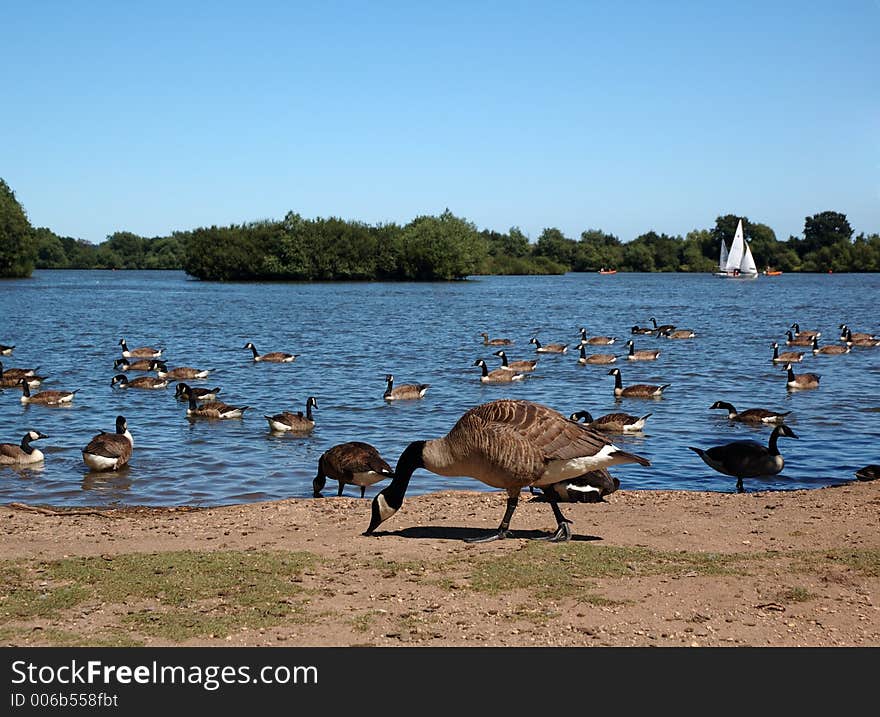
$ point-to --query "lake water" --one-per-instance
(350, 335)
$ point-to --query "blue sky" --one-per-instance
(626, 117)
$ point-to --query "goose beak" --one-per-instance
(41, 435)
(381, 512)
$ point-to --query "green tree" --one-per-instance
(18, 248)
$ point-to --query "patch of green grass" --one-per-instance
(795, 594)
(562, 571)
(364, 621)
(24, 597)
(866, 561)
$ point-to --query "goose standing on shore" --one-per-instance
(637, 390)
(746, 459)
(801, 380)
(785, 356)
(508, 445)
(549, 348)
(353, 463)
(595, 358)
(272, 356)
(495, 342)
(611, 422)
(23, 453)
(109, 451)
(499, 375)
(830, 350)
(750, 415)
(642, 354)
(406, 392)
(46, 398)
(141, 352)
(287, 421)
(520, 366)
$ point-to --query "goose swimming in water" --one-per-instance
(184, 390)
(509, 445)
(498, 375)
(785, 356)
(520, 366)
(6, 350)
(612, 422)
(596, 340)
(23, 453)
(597, 359)
(642, 354)
(746, 459)
(352, 463)
(287, 421)
(109, 451)
(797, 341)
(830, 350)
(495, 342)
(148, 382)
(272, 356)
(549, 348)
(142, 352)
(12, 377)
(406, 392)
(750, 415)
(186, 373)
(122, 364)
(802, 380)
(638, 390)
(46, 398)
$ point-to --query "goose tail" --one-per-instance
(624, 457)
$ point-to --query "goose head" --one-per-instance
(577, 416)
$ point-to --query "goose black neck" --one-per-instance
(483, 368)
(254, 349)
(727, 407)
(504, 359)
(390, 386)
(1, 369)
(309, 409)
(25, 387)
(391, 497)
(618, 382)
(776, 351)
(26, 444)
(632, 349)
(583, 351)
(774, 451)
(790, 373)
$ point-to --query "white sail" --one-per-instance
(737, 250)
(747, 265)
(722, 263)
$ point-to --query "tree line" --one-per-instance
(428, 248)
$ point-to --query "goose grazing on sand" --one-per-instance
(287, 421)
(407, 392)
(871, 472)
(109, 451)
(495, 342)
(679, 334)
(122, 364)
(808, 334)
(612, 422)
(549, 348)
(46, 398)
(499, 375)
(845, 331)
(785, 356)
(637, 390)
(851, 340)
(750, 415)
(641, 330)
(142, 352)
(23, 453)
(272, 356)
(521, 366)
(509, 445)
(595, 358)
(642, 354)
(746, 459)
(213, 409)
(797, 341)
(591, 487)
(662, 328)
(596, 340)
(6, 350)
(353, 463)
(801, 380)
(148, 382)
(180, 372)
(830, 350)
(184, 390)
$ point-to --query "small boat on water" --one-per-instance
(770, 272)
(738, 262)
(607, 271)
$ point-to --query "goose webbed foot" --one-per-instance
(562, 534)
(498, 535)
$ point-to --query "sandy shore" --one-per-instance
(646, 568)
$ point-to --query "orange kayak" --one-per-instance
(612, 271)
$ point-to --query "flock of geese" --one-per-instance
(506, 444)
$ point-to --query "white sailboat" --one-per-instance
(738, 263)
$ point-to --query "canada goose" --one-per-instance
(17, 373)
(800, 341)
(213, 409)
(6, 350)
(809, 334)
(596, 340)
(746, 459)
(591, 487)
(871, 472)
(641, 330)
(12, 377)
(801, 380)
(45, 398)
(642, 354)
(122, 364)
(24, 453)
(785, 356)
(750, 415)
(595, 358)
(549, 348)
(272, 356)
(851, 340)
(637, 390)
(142, 352)
(148, 382)
(509, 445)
(403, 393)
(357, 463)
(495, 342)
(612, 422)
(663, 328)
(521, 366)
(287, 421)
(499, 375)
(844, 329)
(109, 451)
(183, 390)
(679, 334)
(830, 350)
(179, 372)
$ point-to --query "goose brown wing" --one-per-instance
(10, 449)
(755, 414)
(109, 445)
(355, 457)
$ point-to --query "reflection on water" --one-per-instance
(348, 336)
